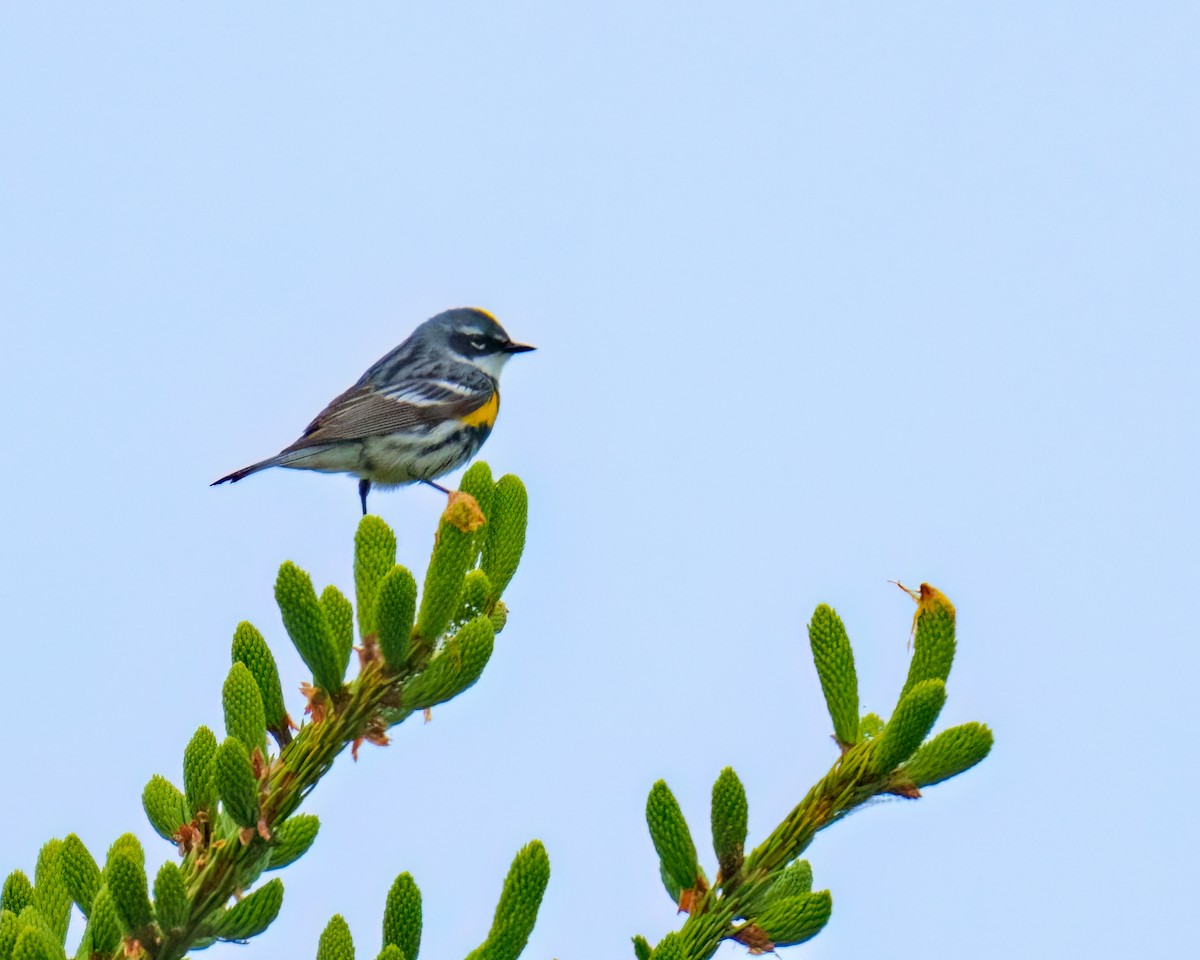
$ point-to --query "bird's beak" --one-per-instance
(518, 348)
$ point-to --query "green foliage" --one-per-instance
(671, 837)
(104, 925)
(292, 838)
(729, 815)
(453, 554)
(339, 617)
(505, 536)
(374, 556)
(18, 892)
(51, 898)
(35, 943)
(764, 897)
(251, 915)
(336, 942)
(199, 758)
(914, 718)
(32, 917)
(8, 933)
(671, 947)
(250, 648)
(834, 661)
(125, 879)
(474, 600)
(948, 754)
(304, 620)
(796, 878)
(165, 807)
(170, 897)
(674, 890)
(518, 907)
(245, 717)
(236, 786)
(771, 890)
(395, 613)
(455, 667)
(262, 798)
(499, 616)
(80, 872)
(129, 845)
(870, 726)
(934, 643)
(791, 920)
(402, 917)
(477, 481)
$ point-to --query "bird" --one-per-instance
(418, 412)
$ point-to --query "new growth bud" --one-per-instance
(505, 541)
(396, 608)
(251, 915)
(165, 807)
(834, 660)
(374, 556)
(518, 907)
(402, 917)
(729, 816)
(250, 648)
(236, 786)
(671, 837)
(304, 620)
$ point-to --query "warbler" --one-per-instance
(417, 413)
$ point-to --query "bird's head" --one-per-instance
(475, 337)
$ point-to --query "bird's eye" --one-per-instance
(478, 344)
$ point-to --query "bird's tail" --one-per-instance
(246, 471)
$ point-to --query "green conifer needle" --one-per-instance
(792, 920)
(339, 617)
(671, 836)
(374, 556)
(518, 907)
(402, 917)
(250, 648)
(729, 815)
(18, 892)
(170, 898)
(948, 754)
(304, 620)
(125, 879)
(934, 640)
(505, 539)
(236, 786)
(455, 667)
(336, 942)
(914, 718)
(81, 872)
(165, 806)
(251, 915)
(292, 838)
(396, 608)
(834, 661)
(198, 759)
(453, 554)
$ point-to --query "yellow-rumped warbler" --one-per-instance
(417, 413)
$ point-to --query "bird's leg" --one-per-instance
(364, 487)
(436, 486)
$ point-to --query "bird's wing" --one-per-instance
(366, 411)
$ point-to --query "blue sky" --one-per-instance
(823, 297)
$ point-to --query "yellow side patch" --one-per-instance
(485, 415)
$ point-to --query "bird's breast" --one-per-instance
(484, 415)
